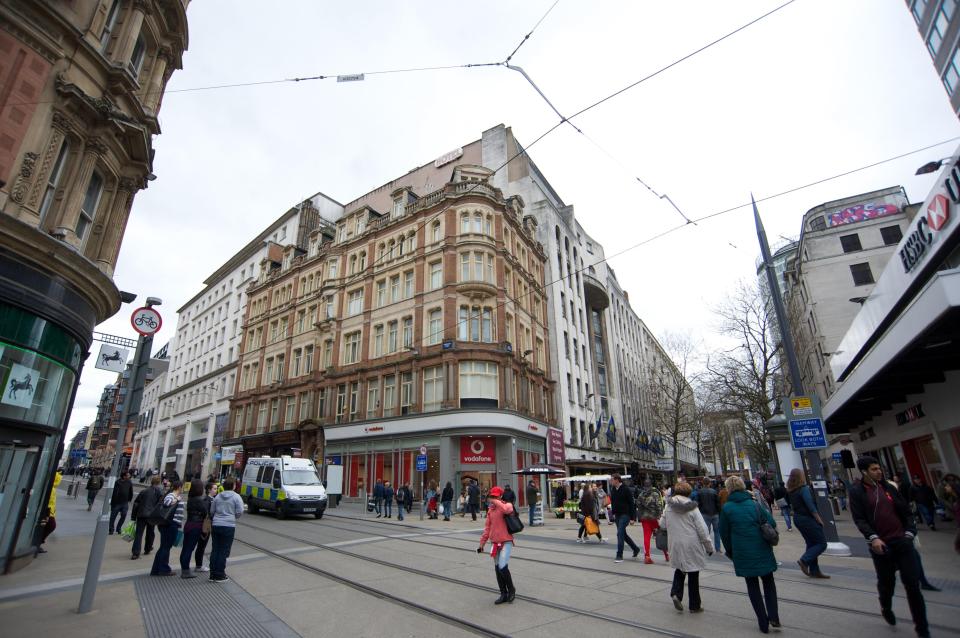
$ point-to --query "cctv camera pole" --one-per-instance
(135, 382)
(811, 458)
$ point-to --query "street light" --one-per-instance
(932, 167)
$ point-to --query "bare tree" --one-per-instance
(672, 405)
(747, 378)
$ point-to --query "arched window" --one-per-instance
(464, 223)
(436, 232)
(477, 223)
(488, 225)
(411, 242)
(353, 264)
(363, 260)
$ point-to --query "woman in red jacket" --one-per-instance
(496, 532)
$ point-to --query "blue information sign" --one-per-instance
(837, 457)
(421, 462)
(807, 434)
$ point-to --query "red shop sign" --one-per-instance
(556, 454)
(478, 449)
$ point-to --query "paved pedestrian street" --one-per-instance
(350, 574)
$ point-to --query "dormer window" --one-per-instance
(398, 207)
(361, 225)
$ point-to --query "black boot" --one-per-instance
(502, 584)
(508, 581)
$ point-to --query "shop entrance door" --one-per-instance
(16, 475)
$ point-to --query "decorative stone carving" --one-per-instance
(96, 145)
(23, 178)
(48, 157)
(62, 122)
(127, 184)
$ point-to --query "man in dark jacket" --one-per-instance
(387, 499)
(120, 501)
(378, 497)
(531, 495)
(883, 517)
(926, 500)
(143, 505)
(404, 500)
(473, 499)
(709, 503)
(94, 484)
(624, 511)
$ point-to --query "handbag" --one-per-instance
(129, 531)
(179, 541)
(371, 504)
(514, 524)
(660, 537)
(591, 526)
(782, 503)
(767, 531)
(162, 514)
(207, 526)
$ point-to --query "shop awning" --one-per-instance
(918, 348)
(538, 469)
(590, 465)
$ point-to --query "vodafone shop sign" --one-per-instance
(478, 450)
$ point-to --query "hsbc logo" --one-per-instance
(938, 212)
(915, 247)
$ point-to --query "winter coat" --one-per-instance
(649, 504)
(621, 501)
(95, 482)
(378, 491)
(473, 494)
(495, 529)
(740, 533)
(708, 501)
(52, 503)
(146, 502)
(531, 494)
(863, 512)
(387, 493)
(446, 494)
(122, 492)
(687, 537)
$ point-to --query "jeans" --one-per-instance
(926, 513)
(843, 502)
(161, 560)
(446, 509)
(472, 510)
(399, 511)
(222, 541)
(622, 521)
(693, 587)
(532, 508)
(191, 536)
(121, 509)
(201, 546)
(768, 612)
(91, 497)
(713, 523)
(901, 555)
(503, 556)
(376, 505)
(786, 515)
(816, 542)
(143, 525)
(387, 505)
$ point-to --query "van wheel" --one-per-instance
(281, 513)
(253, 508)
(318, 514)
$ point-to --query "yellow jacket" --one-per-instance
(53, 494)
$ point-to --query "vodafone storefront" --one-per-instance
(461, 445)
(899, 362)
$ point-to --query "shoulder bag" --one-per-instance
(162, 514)
(514, 524)
(660, 536)
(767, 531)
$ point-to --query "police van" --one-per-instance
(285, 485)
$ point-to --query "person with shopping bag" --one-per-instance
(168, 515)
(649, 510)
(589, 516)
(689, 544)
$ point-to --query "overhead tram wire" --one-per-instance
(527, 37)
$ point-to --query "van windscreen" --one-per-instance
(300, 477)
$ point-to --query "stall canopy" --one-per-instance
(586, 478)
(538, 469)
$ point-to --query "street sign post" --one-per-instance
(807, 434)
(146, 320)
(421, 462)
(422, 468)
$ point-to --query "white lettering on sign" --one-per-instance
(446, 158)
(355, 77)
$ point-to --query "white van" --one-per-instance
(286, 485)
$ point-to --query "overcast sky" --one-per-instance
(816, 89)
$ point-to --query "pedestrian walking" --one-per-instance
(752, 556)
(780, 498)
(649, 510)
(143, 506)
(446, 500)
(168, 530)
(462, 503)
(120, 502)
(49, 521)
(226, 508)
(473, 498)
(624, 511)
(808, 521)
(403, 495)
(926, 501)
(708, 501)
(589, 516)
(211, 489)
(430, 500)
(495, 530)
(839, 491)
(388, 495)
(949, 495)
(197, 511)
(94, 485)
(531, 494)
(689, 541)
(882, 515)
(378, 498)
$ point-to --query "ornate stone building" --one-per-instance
(80, 88)
(419, 322)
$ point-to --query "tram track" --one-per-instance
(664, 581)
(566, 609)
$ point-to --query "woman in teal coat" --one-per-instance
(751, 555)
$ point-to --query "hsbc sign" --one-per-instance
(927, 228)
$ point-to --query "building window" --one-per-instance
(892, 234)
(305, 406)
(291, 406)
(861, 274)
(351, 348)
(917, 8)
(355, 305)
(53, 180)
(381, 293)
(406, 392)
(432, 388)
(392, 336)
(136, 58)
(408, 284)
(408, 332)
(91, 200)
(341, 402)
(328, 353)
(378, 340)
(395, 288)
(274, 413)
(940, 25)
(850, 243)
(951, 76)
(308, 360)
(354, 400)
(109, 25)
(476, 324)
(297, 362)
(436, 275)
(268, 371)
(373, 397)
(389, 395)
(478, 384)
(436, 232)
(262, 418)
(435, 327)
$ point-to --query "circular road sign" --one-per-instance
(423, 449)
(146, 321)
